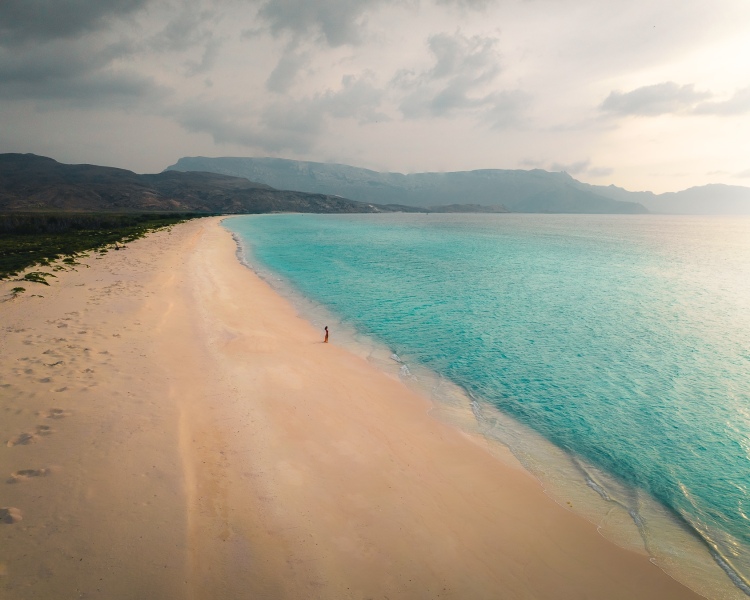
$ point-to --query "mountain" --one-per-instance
(713, 199)
(519, 191)
(30, 183)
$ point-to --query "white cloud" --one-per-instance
(461, 80)
(738, 104)
(653, 100)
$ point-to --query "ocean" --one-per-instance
(609, 353)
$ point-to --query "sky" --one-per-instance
(643, 94)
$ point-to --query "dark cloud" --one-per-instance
(286, 125)
(70, 73)
(188, 26)
(109, 89)
(190, 29)
(280, 128)
(207, 61)
(56, 61)
(475, 59)
(338, 22)
(467, 4)
(51, 55)
(24, 20)
(653, 100)
(357, 99)
(286, 70)
(739, 104)
(461, 80)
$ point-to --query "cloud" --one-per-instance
(76, 74)
(55, 61)
(185, 29)
(109, 89)
(461, 80)
(52, 55)
(467, 4)
(653, 100)
(207, 60)
(576, 168)
(505, 109)
(286, 125)
(28, 20)
(277, 128)
(286, 70)
(743, 174)
(738, 104)
(580, 167)
(338, 22)
(357, 99)
(190, 29)
(600, 171)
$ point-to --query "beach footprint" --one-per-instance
(55, 413)
(22, 439)
(26, 438)
(44, 430)
(10, 515)
(26, 474)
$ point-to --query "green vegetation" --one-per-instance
(28, 239)
(38, 277)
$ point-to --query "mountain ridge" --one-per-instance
(37, 183)
(518, 190)
(544, 191)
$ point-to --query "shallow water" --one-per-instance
(622, 340)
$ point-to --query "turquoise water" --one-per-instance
(624, 340)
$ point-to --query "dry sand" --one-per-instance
(171, 428)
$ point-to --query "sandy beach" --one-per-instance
(171, 428)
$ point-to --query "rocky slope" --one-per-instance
(36, 183)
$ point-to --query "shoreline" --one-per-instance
(212, 446)
(626, 516)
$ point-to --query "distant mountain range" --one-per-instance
(712, 199)
(260, 185)
(35, 183)
(534, 191)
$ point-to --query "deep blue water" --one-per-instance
(624, 340)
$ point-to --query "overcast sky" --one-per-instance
(645, 94)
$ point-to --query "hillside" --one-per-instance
(519, 191)
(36, 183)
(714, 199)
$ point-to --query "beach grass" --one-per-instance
(30, 239)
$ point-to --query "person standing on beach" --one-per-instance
(325, 341)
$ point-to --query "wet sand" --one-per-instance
(170, 428)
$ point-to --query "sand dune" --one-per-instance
(171, 429)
